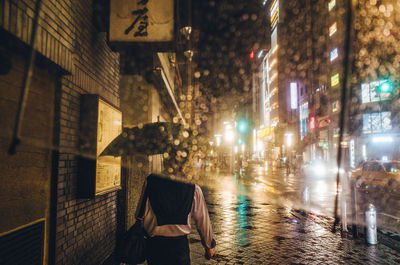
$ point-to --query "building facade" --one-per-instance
(309, 68)
(42, 116)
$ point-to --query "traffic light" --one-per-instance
(252, 55)
(385, 87)
(243, 126)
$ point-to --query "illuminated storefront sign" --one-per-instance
(323, 122)
(334, 80)
(332, 4)
(332, 29)
(274, 12)
(334, 54)
(312, 122)
(303, 117)
(293, 95)
(141, 21)
(352, 154)
(369, 92)
(335, 106)
(377, 122)
(382, 139)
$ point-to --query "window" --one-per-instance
(335, 106)
(274, 13)
(303, 116)
(377, 122)
(293, 95)
(392, 167)
(369, 93)
(332, 4)
(334, 80)
(376, 167)
(332, 29)
(334, 54)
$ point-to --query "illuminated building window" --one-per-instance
(332, 29)
(293, 95)
(369, 93)
(377, 122)
(274, 12)
(275, 105)
(273, 76)
(334, 54)
(303, 117)
(273, 61)
(336, 132)
(334, 80)
(312, 122)
(332, 4)
(335, 106)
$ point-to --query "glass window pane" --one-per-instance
(365, 95)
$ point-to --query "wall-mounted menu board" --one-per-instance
(100, 123)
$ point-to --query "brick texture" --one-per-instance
(66, 36)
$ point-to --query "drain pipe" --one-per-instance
(26, 83)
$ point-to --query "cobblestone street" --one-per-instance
(249, 229)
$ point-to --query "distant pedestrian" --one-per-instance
(170, 206)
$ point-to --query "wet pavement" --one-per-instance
(271, 219)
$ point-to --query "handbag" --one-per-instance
(132, 249)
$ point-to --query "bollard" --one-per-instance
(370, 222)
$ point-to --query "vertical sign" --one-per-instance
(332, 29)
(141, 20)
(312, 122)
(334, 80)
(352, 155)
(293, 95)
(274, 13)
(334, 54)
(331, 4)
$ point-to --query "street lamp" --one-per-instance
(218, 139)
(289, 140)
(289, 143)
(229, 137)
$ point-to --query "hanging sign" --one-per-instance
(141, 21)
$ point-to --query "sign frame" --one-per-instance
(100, 123)
(142, 22)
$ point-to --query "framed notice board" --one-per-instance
(100, 123)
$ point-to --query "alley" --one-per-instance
(253, 226)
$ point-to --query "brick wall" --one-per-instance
(85, 229)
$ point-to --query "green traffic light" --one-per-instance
(385, 87)
(242, 127)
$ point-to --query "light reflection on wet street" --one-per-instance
(261, 219)
(290, 190)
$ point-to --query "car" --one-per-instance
(250, 167)
(319, 168)
(378, 174)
